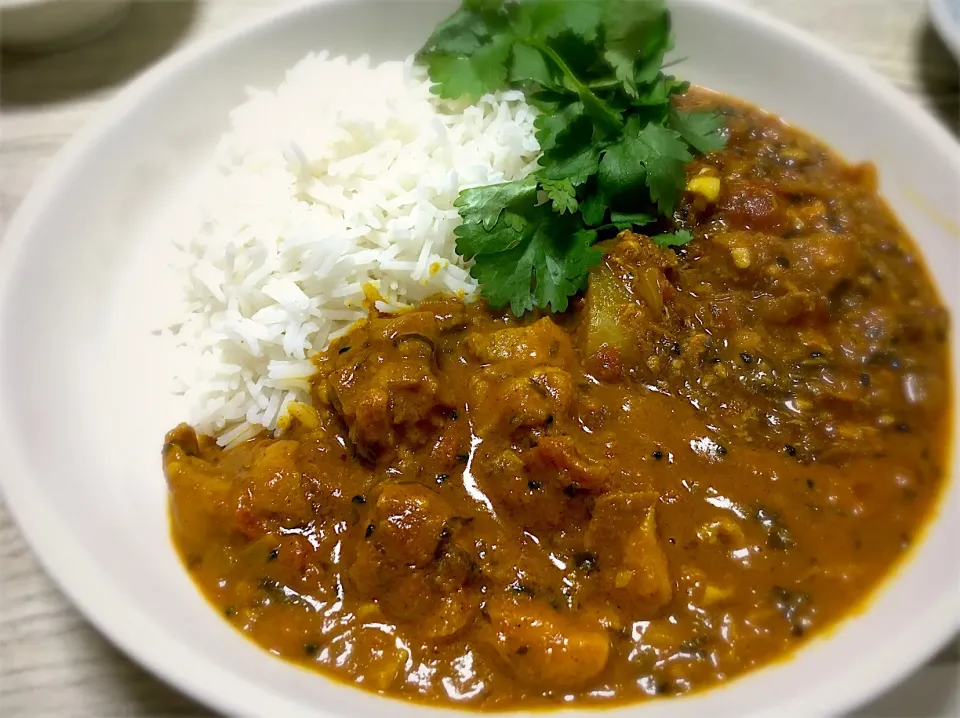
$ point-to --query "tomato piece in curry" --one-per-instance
(715, 454)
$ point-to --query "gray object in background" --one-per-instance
(42, 25)
(946, 17)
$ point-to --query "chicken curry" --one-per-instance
(715, 454)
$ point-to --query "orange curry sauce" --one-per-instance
(714, 455)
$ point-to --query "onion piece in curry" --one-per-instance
(717, 453)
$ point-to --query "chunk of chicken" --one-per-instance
(820, 262)
(386, 390)
(206, 499)
(403, 560)
(421, 325)
(288, 560)
(268, 487)
(273, 483)
(559, 455)
(536, 500)
(747, 204)
(542, 342)
(547, 650)
(271, 489)
(791, 306)
(535, 397)
(633, 567)
(634, 250)
(404, 526)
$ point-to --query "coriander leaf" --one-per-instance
(583, 57)
(674, 239)
(547, 265)
(593, 207)
(634, 30)
(483, 6)
(608, 118)
(576, 167)
(474, 239)
(472, 76)
(609, 138)
(462, 62)
(627, 220)
(700, 129)
(555, 129)
(622, 167)
(664, 155)
(461, 34)
(674, 86)
(647, 70)
(529, 66)
(623, 69)
(483, 205)
(654, 156)
(531, 258)
(548, 101)
(562, 267)
(660, 91)
(562, 194)
(551, 18)
(505, 277)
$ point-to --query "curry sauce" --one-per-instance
(715, 454)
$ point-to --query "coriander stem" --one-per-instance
(612, 119)
(604, 84)
(553, 55)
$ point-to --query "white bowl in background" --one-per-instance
(39, 25)
(83, 382)
(946, 18)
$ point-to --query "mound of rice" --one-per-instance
(319, 190)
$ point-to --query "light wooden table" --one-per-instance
(52, 663)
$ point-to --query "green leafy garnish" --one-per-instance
(530, 257)
(672, 239)
(614, 147)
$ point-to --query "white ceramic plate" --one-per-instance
(83, 384)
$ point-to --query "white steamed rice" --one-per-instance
(320, 189)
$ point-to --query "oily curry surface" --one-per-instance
(715, 454)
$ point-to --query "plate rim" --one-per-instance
(77, 574)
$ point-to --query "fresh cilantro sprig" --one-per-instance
(614, 147)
